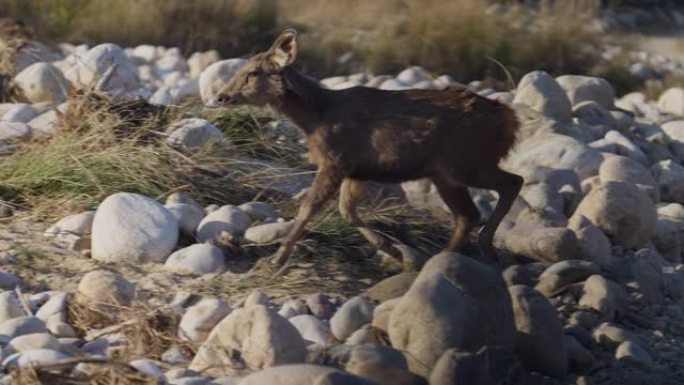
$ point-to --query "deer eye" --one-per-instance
(252, 74)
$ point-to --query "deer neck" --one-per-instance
(304, 100)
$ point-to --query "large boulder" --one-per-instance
(42, 82)
(539, 91)
(622, 210)
(253, 338)
(456, 302)
(215, 77)
(133, 228)
(586, 88)
(539, 344)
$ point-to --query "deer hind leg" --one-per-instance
(466, 215)
(508, 186)
(350, 195)
(326, 182)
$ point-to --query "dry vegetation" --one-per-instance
(469, 39)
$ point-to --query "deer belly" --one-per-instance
(397, 171)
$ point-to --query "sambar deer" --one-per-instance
(454, 137)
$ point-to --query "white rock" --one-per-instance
(672, 101)
(393, 85)
(293, 308)
(292, 375)
(353, 314)
(145, 53)
(675, 132)
(630, 351)
(413, 75)
(670, 177)
(104, 286)
(20, 113)
(22, 325)
(259, 211)
(33, 52)
(34, 358)
(161, 97)
(33, 341)
(586, 88)
(60, 329)
(542, 93)
(269, 232)
(259, 336)
(188, 216)
(73, 226)
(42, 82)
(131, 227)
(150, 368)
(200, 319)
(626, 148)
(10, 307)
(192, 133)
(93, 65)
(197, 259)
(216, 76)
(14, 131)
(227, 218)
(198, 61)
(312, 329)
(257, 298)
(55, 305)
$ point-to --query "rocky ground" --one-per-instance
(147, 290)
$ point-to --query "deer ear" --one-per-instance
(284, 50)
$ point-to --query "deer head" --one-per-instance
(260, 80)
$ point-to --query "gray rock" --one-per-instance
(10, 306)
(192, 133)
(610, 336)
(491, 365)
(539, 344)
(625, 147)
(23, 325)
(196, 259)
(33, 341)
(106, 287)
(293, 308)
(188, 216)
(392, 287)
(34, 357)
(200, 318)
(227, 218)
(601, 295)
(668, 237)
(670, 177)
(259, 211)
(55, 305)
(72, 227)
(150, 368)
(555, 151)
(456, 302)
(672, 101)
(580, 359)
(258, 336)
(631, 352)
(539, 91)
(586, 88)
(622, 169)
(592, 243)
(622, 210)
(42, 82)
(562, 274)
(269, 232)
(312, 329)
(353, 314)
(98, 62)
(20, 113)
(133, 228)
(527, 274)
(257, 297)
(320, 305)
(10, 131)
(546, 244)
(215, 77)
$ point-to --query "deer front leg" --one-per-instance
(325, 184)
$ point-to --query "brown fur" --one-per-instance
(453, 136)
